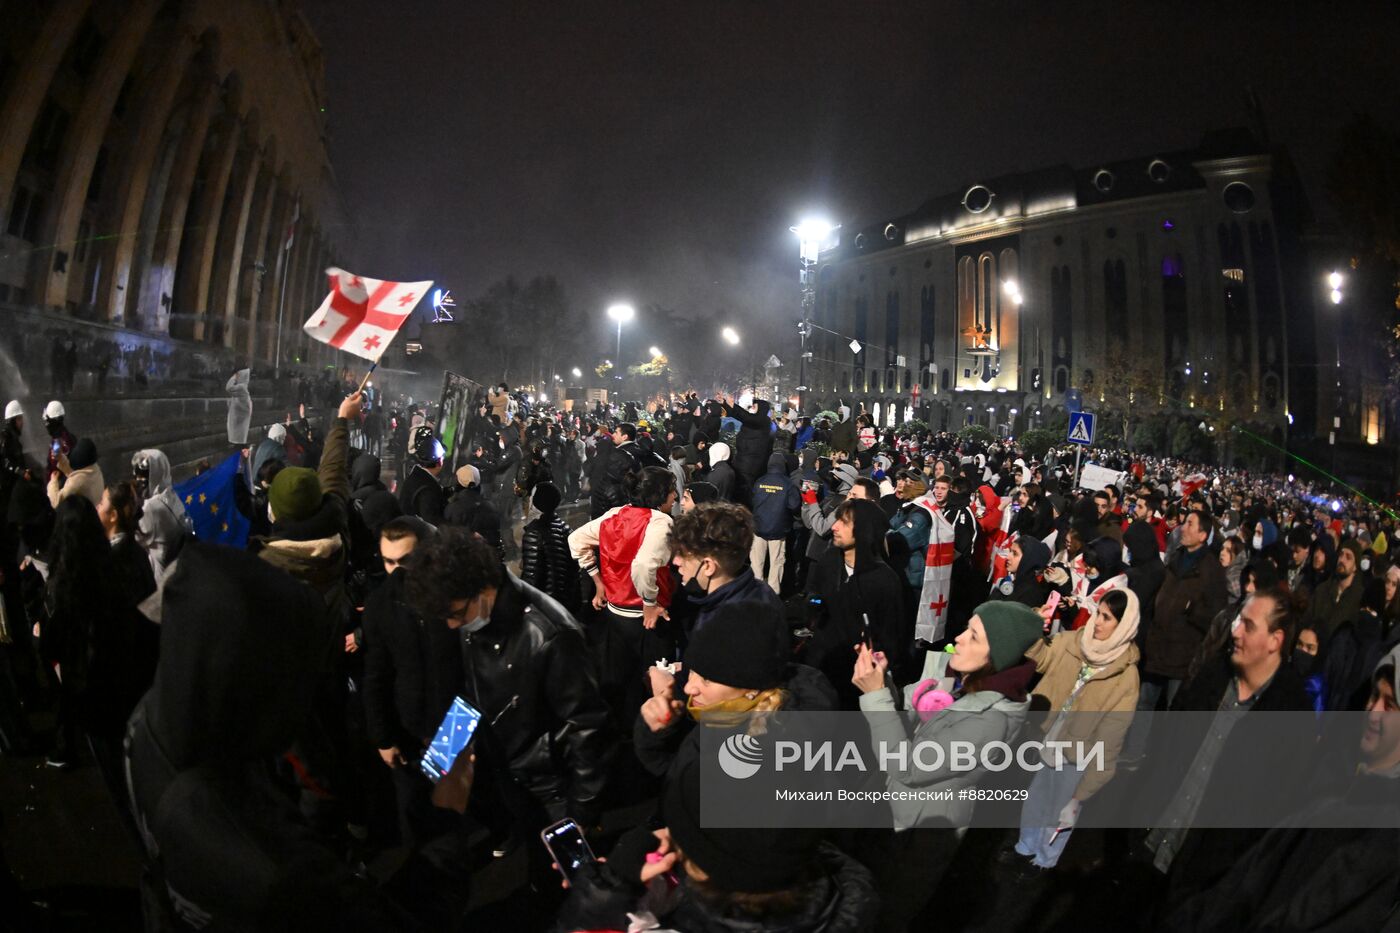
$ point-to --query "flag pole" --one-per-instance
(365, 381)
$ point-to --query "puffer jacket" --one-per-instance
(543, 717)
(546, 563)
(981, 717)
(1102, 711)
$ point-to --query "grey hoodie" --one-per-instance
(163, 521)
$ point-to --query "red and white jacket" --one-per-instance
(626, 546)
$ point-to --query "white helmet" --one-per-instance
(54, 410)
(13, 409)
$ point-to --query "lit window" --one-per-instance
(1234, 275)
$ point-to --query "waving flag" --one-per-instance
(938, 575)
(362, 315)
(208, 500)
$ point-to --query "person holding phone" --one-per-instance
(543, 743)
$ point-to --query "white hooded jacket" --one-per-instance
(163, 520)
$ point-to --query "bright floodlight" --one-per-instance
(621, 313)
(730, 335)
(811, 234)
(1336, 296)
(543, 397)
(578, 373)
(655, 352)
(1335, 280)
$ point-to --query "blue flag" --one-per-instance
(208, 500)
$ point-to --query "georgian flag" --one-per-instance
(938, 575)
(361, 315)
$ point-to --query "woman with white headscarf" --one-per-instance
(1092, 673)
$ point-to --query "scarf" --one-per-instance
(1103, 653)
(725, 714)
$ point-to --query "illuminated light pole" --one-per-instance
(1334, 283)
(622, 314)
(812, 234)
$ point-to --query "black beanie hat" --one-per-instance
(702, 492)
(741, 645)
(547, 498)
(84, 454)
(742, 860)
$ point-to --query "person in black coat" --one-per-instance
(721, 474)
(1025, 582)
(866, 603)
(1145, 571)
(421, 494)
(753, 445)
(411, 674)
(545, 559)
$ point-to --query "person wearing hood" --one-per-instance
(1025, 581)
(987, 508)
(776, 501)
(270, 448)
(365, 472)
(818, 518)
(1145, 569)
(81, 475)
(988, 677)
(1337, 599)
(1103, 573)
(163, 523)
(544, 736)
(240, 407)
(856, 597)
(721, 474)
(243, 648)
(61, 439)
(1091, 673)
(1233, 557)
(753, 445)
(843, 433)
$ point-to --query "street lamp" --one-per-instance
(578, 373)
(730, 335)
(812, 234)
(1334, 282)
(655, 352)
(622, 314)
(1012, 291)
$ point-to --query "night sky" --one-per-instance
(658, 152)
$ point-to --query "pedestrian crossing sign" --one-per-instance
(1081, 428)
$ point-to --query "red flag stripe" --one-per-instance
(357, 314)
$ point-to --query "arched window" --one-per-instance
(945, 380)
(1061, 379)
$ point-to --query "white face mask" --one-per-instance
(477, 624)
(1258, 542)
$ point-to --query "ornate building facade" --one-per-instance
(156, 157)
(1176, 276)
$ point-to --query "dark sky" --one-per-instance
(659, 151)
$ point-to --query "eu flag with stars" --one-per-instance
(209, 503)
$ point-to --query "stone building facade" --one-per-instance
(986, 305)
(154, 157)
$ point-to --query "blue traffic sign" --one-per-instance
(1081, 428)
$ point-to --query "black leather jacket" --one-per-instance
(543, 714)
(546, 562)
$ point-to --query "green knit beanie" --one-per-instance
(295, 494)
(1011, 630)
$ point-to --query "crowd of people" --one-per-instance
(605, 584)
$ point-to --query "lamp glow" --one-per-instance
(1336, 296)
(730, 335)
(1335, 280)
(621, 313)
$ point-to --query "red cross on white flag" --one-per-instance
(932, 619)
(361, 315)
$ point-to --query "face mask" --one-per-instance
(476, 625)
(1365, 565)
(1258, 542)
(1304, 662)
(693, 588)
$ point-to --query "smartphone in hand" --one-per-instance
(567, 847)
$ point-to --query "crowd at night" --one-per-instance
(807, 471)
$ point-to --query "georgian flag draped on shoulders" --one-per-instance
(938, 574)
(361, 315)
